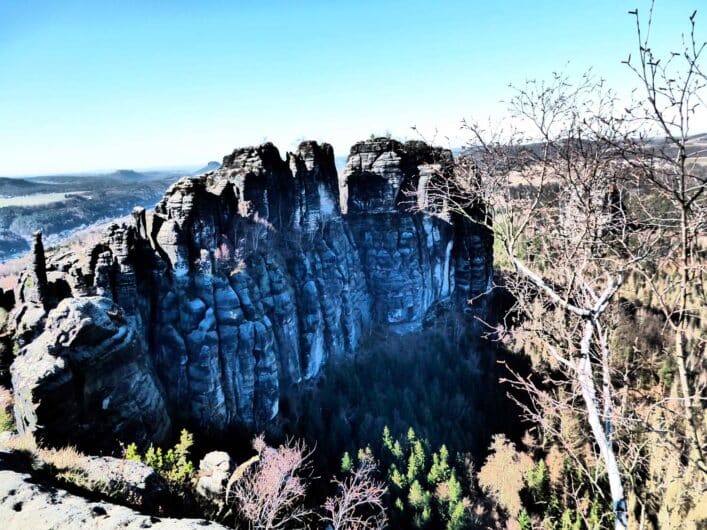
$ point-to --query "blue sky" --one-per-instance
(99, 85)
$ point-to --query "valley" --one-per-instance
(61, 204)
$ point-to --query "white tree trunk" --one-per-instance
(586, 382)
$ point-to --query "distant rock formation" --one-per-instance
(411, 259)
(211, 166)
(243, 281)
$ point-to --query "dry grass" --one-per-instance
(23, 443)
(67, 464)
(63, 459)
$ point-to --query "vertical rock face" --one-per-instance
(247, 279)
(261, 283)
(38, 273)
(410, 258)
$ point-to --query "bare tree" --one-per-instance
(359, 502)
(549, 188)
(582, 191)
(671, 182)
(269, 490)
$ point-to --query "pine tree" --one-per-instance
(387, 440)
(411, 436)
(458, 517)
(416, 461)
(440, 470)
(417, 496)
(454, 488)
(397, 450)
(346, 463)
(568, 522)
(538, 480)
(396, 477)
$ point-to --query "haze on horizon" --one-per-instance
(89, 86)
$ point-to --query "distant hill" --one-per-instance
(61, 204)
(211, 166)
(130, 175)
(697, 145)
(127, 174)
(9, 187)
(118, 177)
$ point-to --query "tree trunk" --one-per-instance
(681, 343)
(586, 383)
(696, 449)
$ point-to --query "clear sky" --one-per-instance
(106, 84)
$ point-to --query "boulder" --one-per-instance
(126, 481)
(214, 471)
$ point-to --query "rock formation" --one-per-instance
(409, 258)
(243, 281)
(86, 378)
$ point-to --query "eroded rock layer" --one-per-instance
(247, 279)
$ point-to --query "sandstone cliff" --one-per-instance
(243, 281)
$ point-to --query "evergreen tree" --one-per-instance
(346, 463)
(440, 470)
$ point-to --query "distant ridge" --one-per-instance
(14, 186)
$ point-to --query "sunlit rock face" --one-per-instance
(248, 279)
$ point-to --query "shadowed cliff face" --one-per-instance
(248, 279)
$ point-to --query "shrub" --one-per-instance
(269, 490)
(7, 423)
(173, 464)
(346, 462)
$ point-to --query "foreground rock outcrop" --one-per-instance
(243, 281)
(25, 505)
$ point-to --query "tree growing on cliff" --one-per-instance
(555, 206)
